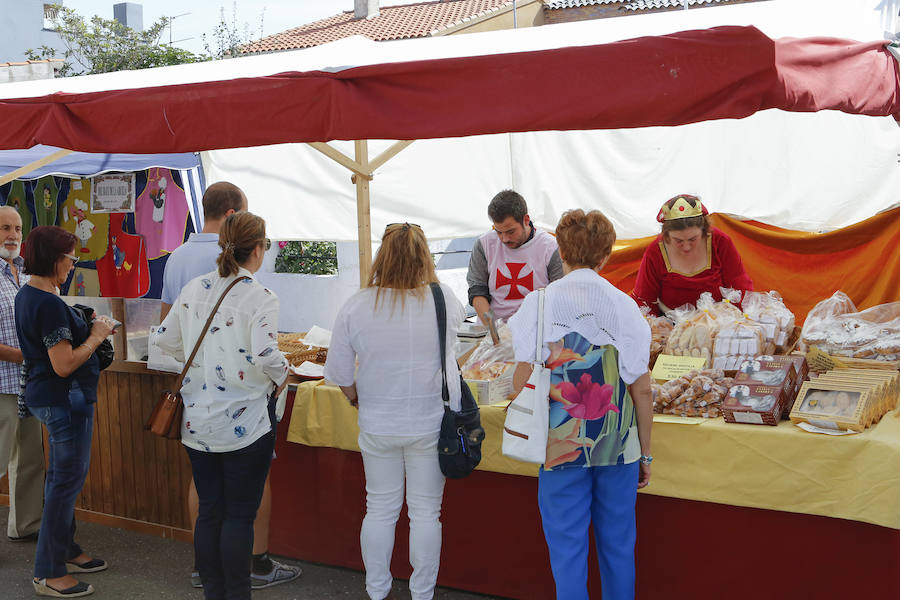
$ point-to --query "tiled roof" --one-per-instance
(652, 4)
(628, 5)
(392, 23)
(556, 4)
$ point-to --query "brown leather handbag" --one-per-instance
(165, 420)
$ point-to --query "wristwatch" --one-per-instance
(646, 459)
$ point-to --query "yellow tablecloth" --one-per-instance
(853, 477)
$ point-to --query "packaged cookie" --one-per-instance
(754, 404)
(831, 405)
(882, 385)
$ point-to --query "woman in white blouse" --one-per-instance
(390, 327)
(229, 413)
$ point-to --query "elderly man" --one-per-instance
(511, 260)
(21, 443)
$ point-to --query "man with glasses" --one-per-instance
(21, 443)
(511, 260)
(194, 258)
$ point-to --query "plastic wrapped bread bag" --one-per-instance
(768, 309)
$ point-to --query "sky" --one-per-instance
(277, 15)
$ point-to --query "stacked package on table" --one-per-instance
(847, 398)
(696, 394)
(763, 390)
(660, 329)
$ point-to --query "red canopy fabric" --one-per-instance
(717, 73)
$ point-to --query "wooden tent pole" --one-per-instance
(362, 174)
(34, 166)
(363, 214)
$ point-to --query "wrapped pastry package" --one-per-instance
(768, 309)
(833, 405)
(872, 334)
(696, 394)
(660, 328)
(692, 334)
(489, 369)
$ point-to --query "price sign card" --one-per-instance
(670, 367)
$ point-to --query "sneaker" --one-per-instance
(195, 579)
(279, 574)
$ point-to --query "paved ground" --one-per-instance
(145, 567)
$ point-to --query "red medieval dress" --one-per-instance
(658, 284)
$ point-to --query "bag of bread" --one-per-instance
(692, 334)
(819, 323)
(660, 328)
(768, 309)
(489, 361)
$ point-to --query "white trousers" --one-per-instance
(393, 463)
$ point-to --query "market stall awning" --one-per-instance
(87, 164)
(685, 77)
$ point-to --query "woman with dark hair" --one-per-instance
(60, 377)
(688, 258)
(390, 327)
(596, 344)
(228, 429)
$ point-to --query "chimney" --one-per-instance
(365, 9)
(130, 14)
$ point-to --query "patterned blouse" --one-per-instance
(227, 388)
(592, 421)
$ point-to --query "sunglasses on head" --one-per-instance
(405, 225)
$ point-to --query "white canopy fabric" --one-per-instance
(811, 172)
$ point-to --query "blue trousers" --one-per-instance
(570, 500)
(70, 428)
(229, 486)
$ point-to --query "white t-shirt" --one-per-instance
(399, 377)
(195, 257)
(585, 303)
(226, 389)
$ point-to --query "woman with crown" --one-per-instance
(688, 258)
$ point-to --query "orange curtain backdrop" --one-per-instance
(862, 260)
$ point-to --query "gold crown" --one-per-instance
(681, 209)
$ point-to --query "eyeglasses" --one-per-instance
(267, 243)
(406, 225)
(74, 259)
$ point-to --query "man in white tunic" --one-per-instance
(512, 259)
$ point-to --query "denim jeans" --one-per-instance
(70, 428)
(229, 486)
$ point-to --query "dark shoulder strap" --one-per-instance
(187, 364)
(440, 308)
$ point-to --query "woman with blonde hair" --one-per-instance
(597, 345)
(390, 328)
(229, 410)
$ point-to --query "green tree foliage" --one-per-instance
(103, 45)
(227, 38)
(314, 258)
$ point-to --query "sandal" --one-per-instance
(42, 588)
(91, 566)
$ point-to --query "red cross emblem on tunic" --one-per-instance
(514, 281)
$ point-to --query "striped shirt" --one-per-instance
(9, 372)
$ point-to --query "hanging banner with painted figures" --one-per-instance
(123, 271)
(85, 282)
(91, 229)
(161, 212)
(16, 198)
(45, 192)
(112, 193)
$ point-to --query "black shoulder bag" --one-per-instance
(104, 350)
(459, 444)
